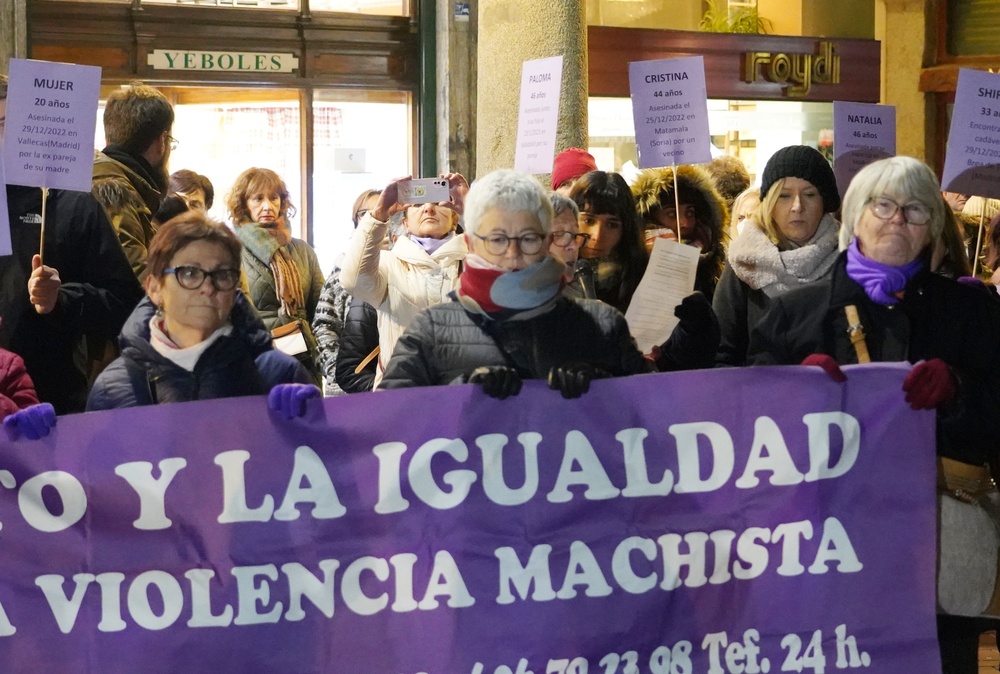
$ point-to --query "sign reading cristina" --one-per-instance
(235, 61)
(725, 522)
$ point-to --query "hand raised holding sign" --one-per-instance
(43, 286)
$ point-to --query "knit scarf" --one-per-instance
(488, 289)
(273, 245)
(758, 262)
(881, 282)
(429, 244)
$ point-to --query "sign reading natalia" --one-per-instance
(972, 162)
(538, 119)
(51, 113)
(670, 110)
(862, 133)
(237, 61)
(641, 528)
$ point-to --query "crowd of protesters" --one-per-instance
(139, 298)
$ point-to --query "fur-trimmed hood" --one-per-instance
(654, 188)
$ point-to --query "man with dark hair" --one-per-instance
(130, 174)
(82, 287)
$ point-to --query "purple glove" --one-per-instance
(32, 422)
(289, 400)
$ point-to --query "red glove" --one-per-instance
(930, 385)
(828, 364)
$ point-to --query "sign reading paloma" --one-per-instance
(799, 71)
(256, 62)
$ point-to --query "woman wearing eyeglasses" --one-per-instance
(882, 287)
(565, 244)
(195, 336)
(509, 320)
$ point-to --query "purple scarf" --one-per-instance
(430, 245)
(880, 281)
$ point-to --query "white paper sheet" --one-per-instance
(669, 278)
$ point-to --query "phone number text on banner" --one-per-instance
(721, 522)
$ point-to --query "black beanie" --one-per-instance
(802, 161)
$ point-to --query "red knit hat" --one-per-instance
(570, 164)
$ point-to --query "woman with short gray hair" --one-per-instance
(508, 320)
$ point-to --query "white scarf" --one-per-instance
(185, 358)
(757, 261)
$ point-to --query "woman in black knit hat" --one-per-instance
(790, 241)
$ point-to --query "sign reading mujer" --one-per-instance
(723, 522)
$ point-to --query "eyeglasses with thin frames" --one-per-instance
(173, 142)
(885, 208)
(563, 239)
(528, 243)
(193, 278)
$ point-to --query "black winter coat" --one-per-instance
(738, 308)
(240, 364)
(937, 318)
(446, 342)
(97, 294)
(358, 339)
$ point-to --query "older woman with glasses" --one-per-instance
(195, 336)
(508, 320)
(565, 244)
(882, 303)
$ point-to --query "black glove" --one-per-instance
(498, 381)
(573, 379)
(695, 340)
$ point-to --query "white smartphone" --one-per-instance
(424, 190)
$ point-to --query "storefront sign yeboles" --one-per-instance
(669, 106)
(799, 71)
(234, 61)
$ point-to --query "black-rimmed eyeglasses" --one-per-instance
(193, 278)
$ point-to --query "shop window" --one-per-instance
(972, 27)
(370, 145)
(380, 7)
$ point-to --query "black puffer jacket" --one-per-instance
(358, 339)
(937, 318)
(240, 364)
(97, 294)
(446, 342)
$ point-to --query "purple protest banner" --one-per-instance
(51, 113)
(670, 110)
(862, 133)
(972, 160)
(758, 519)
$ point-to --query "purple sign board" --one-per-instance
(538, 119)
(972, 161)
(744, 520)
(51, 112)
(670, 109)
(862, 133)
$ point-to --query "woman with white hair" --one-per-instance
(881, 287)
(509, 320)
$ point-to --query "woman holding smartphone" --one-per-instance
(419, 271)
